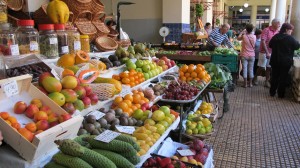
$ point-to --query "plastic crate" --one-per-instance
(220, 59)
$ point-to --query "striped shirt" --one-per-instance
(218, 38)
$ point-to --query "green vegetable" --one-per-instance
(220, 75)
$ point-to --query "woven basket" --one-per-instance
(15, 5)
(124, 43)
(77, 6)
(98, 21)
(104, 91)
(106, 43)
(97, 6)
(113, 34)
(83, 22)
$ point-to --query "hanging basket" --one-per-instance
(83, 22)
(97, 6)
(15, 5)
(106, 44)
(77, 6)
(98, 21)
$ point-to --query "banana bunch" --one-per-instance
(58, 11)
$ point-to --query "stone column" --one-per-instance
(253, 15)
(281, 10)
(272, 10)
(207, 14)
(226, 9)
(295, 19)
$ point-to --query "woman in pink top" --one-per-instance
(248, 53)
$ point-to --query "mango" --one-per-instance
(51, 84)
(58, 98)
(70, 95)
(78, 104)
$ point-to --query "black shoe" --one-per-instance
(281, 96)
(272, 94)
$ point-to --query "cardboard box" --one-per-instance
(43, 143)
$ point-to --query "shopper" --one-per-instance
(265, 51)
(217, 36)
(283, 46)
(248, 53)
(207, 28)
(1, 138)
(257, 46)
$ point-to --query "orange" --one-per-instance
(136, 77)
(31, 127)
(196, 79)
(201, 75)
(128, 102)
(26, 134)
(123, 106)
(193, 74)
(16, 126)
(126, 80)
(12, 120)
(189, 79)
(131, 78)
(201, 66)
(198, 70)
(141, 94)
(187, 75)
(124, 75)
(140, 75)
(4, 115)
(116, 77)
(184, 68)
(136, 98)
(135, 91)
(146, 100)
(138, 106)
(67, 72)
(181, 74)
(128, 97)
(142, 101)
(191, 68)
(132, 72)
(132, 84)
(133, 107)
(118, 100)
(183, 78)
(66, 60)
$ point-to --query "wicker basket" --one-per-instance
(106, 43)
(104, 91)
(15, 5)
(97, 6)
(98, 21)
(113, 34)
(124, 43)
(77, 6)
(84, 24)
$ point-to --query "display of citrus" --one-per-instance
(192, 72)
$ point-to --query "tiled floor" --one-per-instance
(258, 131)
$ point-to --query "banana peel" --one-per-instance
(58, 11)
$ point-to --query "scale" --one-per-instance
(164, 32)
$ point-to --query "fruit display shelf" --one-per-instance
(158, 142)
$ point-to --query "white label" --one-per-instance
(53, 40)
(107, 136)
(77, 45)
(185, 152)
(55, 74)
(125, 129)
(10, 88)
(65, 49)
(14, 49)
(97, 114)
(34, 46)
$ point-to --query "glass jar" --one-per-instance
(85, 43)
(28, 37)
(8, 40)
(62, 38)
(48, 41)
(73, 40)
(3, 11)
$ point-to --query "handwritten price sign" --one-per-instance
(107, 136)
(10, 88)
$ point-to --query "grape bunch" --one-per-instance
(183, 91)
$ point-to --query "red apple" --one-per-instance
(146, 105)
(154, 108)
(69, 107)
(64, 117)
(54, 123)
(20, 107)
(46, 109)
(161, 62)
(86, 101)
(88, 90)
(80, 91)
(52, 117)
(94, 98)
(172, 63)
(42, 125)
(41, 115)
(31, 110)
(165, 67)
(43, 76)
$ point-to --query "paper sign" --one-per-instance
(55, 74)
(77, 45)
(53, 40)
(65, 49)
(10, 88)
(107, 136)
(97, 114)
(125, 129)
(185, 152)
(14, 49)
(34, 46)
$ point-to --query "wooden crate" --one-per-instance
(43, 143)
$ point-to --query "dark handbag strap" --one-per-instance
(250, 42)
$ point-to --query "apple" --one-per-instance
(20, 107)
(139, 63)
(172, 63)
(69, 108)
(64, 117)
(80, 91)
(42, 125)
(31, 110)
(46, 109)
(165, 67)
(41, 115)
(86, 101)
(161, 62)
(154, 108)
(165, 109)
(88, 90)
(94, 98)
(146, 68)
(54, 123)
(146, 105)
(52, 117)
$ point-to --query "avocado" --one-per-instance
(113, 58)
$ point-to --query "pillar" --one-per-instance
(272, 11)
(281, 10)
(207, 14)
(33, 5)
(295, 19)
(253, 15)
(226, 9)
(176, 16)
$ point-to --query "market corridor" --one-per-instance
(258, 131)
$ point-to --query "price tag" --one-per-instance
(53, 40)
(14, 49)
(97, 114)
(185, 152)
(65, 49)
(125, 129)
(107, 136)
(10, 88)
(77, 45)
(34, 46)
(55, 74)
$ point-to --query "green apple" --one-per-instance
(165, 109)
(188, 123)
(139, 70)
(139, 63)
(147, 113)
(202, 130)
(189, 132)
(192, 126)
(195, 131)
(146, 76)
(160, 69)
(151, 66)
(130, 65)
(150, 74)
(199, 126)
(146, 68)
(208, 129)
(138, 114)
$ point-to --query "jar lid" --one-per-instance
(25, 22)
(59, 26)
(46, 27)
(84, 36)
